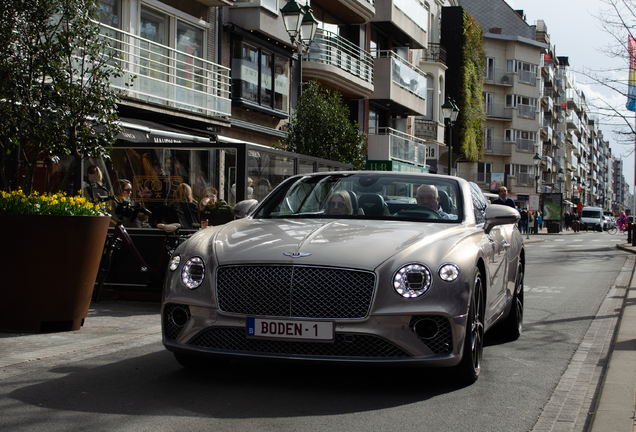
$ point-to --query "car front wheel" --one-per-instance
(511, 327)
(470, 365)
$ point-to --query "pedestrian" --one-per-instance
(531, 222)
(503, 198)
(539, 219)
(523, 222)
(567, 220)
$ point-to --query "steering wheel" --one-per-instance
(420, 212)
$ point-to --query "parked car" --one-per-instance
(350, 267)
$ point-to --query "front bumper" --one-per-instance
(375, 339)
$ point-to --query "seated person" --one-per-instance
(427, 196)
(339, 204)
(122, 189)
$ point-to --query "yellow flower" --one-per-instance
(63, 199)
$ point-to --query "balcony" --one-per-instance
(497, 147)
(350, 11)
(525, 179)
(498, 112)
(428, 130)
(497, 76)
(392, 144)
(338, 63)
(406, 93)
(573, 123)
(526, 111)
(525, 145)
(573, 99)
(404, 20)
(169, 77)
(527, 77)
(435, 53)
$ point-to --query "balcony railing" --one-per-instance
(526, 111)
(168, 76)
(434, 53)
(404, 74)
(525, 145)
(497, 76)
(426, 129)
(528, 77)
(403, 146)
(525, 179)
(497, 147)
(330, 49)
(499, 111)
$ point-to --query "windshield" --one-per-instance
(366, 196)
(595, 214)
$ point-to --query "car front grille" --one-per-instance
(344, 345)
(295, 291)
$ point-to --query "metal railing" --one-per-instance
(525, 179)
(434, 53)
(405, 74)
(168, 76)
(426, 129)
(330, 49)
(403, 146)
(497, 76)
(528, 77)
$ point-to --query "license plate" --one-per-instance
(290, 329)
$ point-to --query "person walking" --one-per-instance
(531, 223)
(539, 219)
(523, 222)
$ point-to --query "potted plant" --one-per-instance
(50, 251)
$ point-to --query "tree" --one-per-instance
(55, 72)
(320, 127)
(618, 19)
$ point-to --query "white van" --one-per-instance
(592, 217)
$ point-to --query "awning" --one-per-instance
(566, 202)
(146, 132)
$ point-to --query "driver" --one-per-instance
(427, 197)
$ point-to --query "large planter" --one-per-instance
(48, 266)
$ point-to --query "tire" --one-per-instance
(512, 326)
(612, 229)
(104, 269)
(467, 371)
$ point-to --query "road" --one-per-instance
(140, 387)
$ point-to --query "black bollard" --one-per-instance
(633, 234)
(628, 227)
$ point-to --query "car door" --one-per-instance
(495, 248)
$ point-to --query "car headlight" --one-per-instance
(174, 262)
(193, 272)
(412, 280)
(448, 272)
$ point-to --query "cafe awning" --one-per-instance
(137, 131)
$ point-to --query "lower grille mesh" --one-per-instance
(349, 345)
(442, 342)
(170, 329)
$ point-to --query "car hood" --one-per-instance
(362, 244)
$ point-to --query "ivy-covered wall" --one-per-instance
(463, 40)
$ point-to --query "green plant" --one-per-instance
(55, 73)
(17, 202)
(472, 114)
(320, 127)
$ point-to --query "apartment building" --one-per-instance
(512, 91)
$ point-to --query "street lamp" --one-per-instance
(301, 26)
(561, 175)
(450, 111)
(537, 161)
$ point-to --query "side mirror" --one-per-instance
(244, 208)
(497, 214)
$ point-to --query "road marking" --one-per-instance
(542, 289)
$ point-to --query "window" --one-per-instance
(490, 69)
(260, 77)
(488, 103)
(483, 172)
(488, 139)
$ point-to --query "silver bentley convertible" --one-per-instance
(356, 266)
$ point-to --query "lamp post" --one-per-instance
(450, 111)
(537, 161)
(561, 176)
(301, 27)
